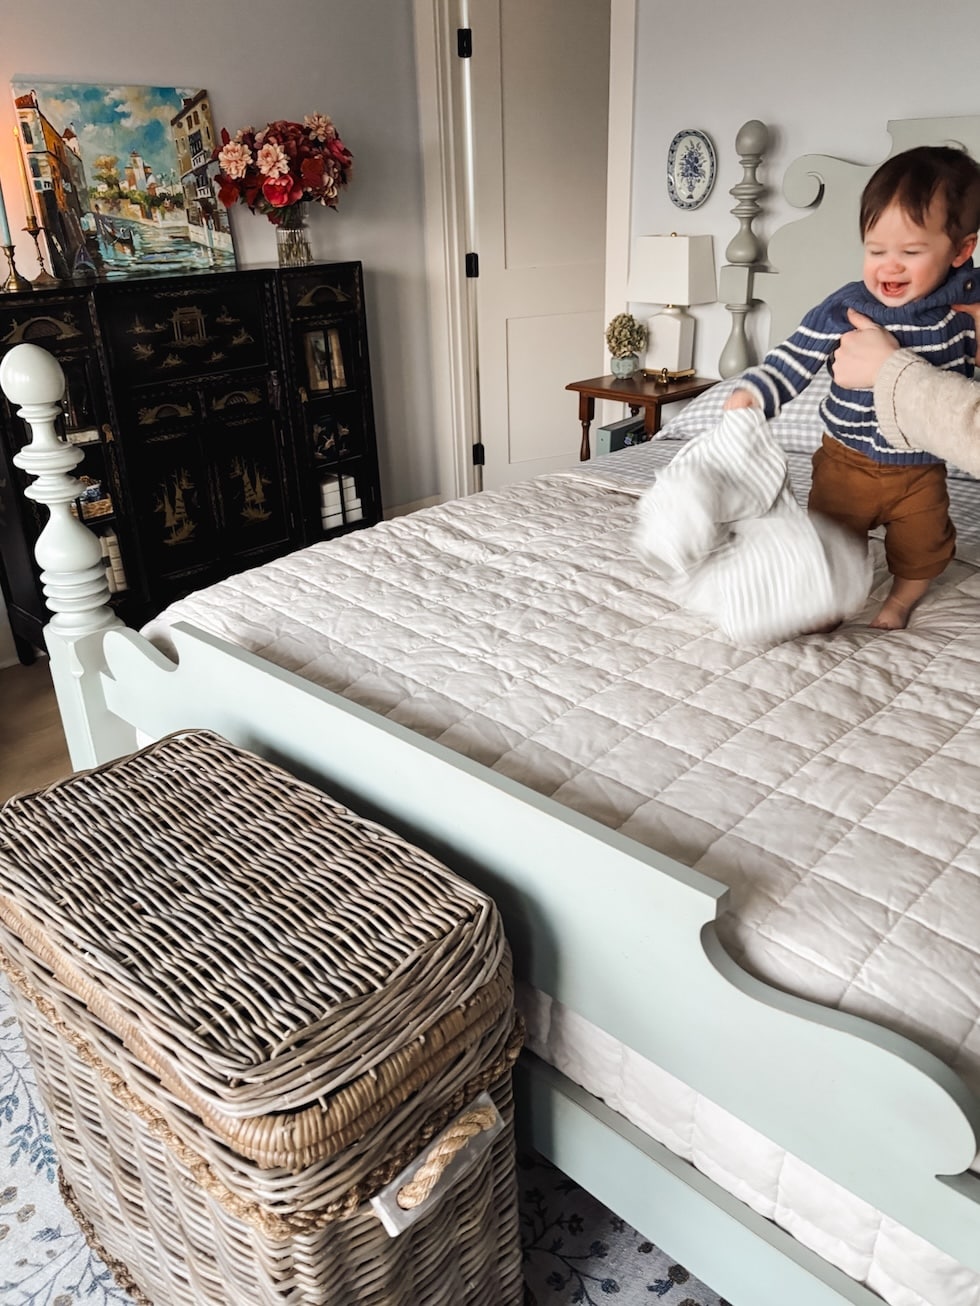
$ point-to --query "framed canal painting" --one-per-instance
(121, 178)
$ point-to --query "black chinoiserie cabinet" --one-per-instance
(224, 419)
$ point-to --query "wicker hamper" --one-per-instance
(250, 1011)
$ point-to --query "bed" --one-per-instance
(742, 884)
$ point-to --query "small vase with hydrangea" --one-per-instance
(625, 338)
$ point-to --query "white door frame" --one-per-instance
(455, 401)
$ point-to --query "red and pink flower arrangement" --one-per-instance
(284, 164)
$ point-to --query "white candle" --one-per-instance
(25, 181)
(4, 225)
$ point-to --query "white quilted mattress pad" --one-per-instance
(832, 782)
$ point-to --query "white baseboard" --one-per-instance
(404, 508)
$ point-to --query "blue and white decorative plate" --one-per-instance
(690, 169)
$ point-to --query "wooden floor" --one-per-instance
(32, 745)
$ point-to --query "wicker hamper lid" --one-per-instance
(288, 970)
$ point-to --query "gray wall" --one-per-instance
(825, 77)
(352, 59)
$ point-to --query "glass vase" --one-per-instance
(293, 237)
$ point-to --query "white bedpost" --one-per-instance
(745, 248)
(72, 570)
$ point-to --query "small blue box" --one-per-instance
(619, 435)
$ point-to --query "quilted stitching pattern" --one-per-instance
(831, 782)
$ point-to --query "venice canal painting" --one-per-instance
(122, 178)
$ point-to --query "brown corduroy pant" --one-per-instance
(910, 501)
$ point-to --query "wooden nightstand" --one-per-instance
(638, 393)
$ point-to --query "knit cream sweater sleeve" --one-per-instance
(920, 407)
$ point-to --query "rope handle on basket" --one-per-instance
(434, 1166)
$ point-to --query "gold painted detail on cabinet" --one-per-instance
(44, 327)
(150, 416)
(139, 329)
(330, 439)
(187, 329)
(323, 292)
(253, 481)
(236, 397)
(177, 522)
(188, 326)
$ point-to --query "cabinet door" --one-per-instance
(245, 449)
(171, 332)
(167, 483)
(329, 385)
(207, 486)
(195, 368)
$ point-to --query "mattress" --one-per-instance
(831, 782)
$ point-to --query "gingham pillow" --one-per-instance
(798, 428)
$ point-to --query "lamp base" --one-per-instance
(671, 341)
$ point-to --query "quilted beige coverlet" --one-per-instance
(833, 781)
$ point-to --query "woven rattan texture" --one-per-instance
(261, 949)
(183, 1212)
(149, 1214)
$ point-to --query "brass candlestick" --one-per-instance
(44, 279)
(15, 282)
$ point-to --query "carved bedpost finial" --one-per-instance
(72, 571)
(745, 248)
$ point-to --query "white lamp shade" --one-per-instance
(673, 270)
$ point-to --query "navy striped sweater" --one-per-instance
(927, 325)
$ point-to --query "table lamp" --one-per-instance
(674, 271)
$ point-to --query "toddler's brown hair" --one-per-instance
(914, 178)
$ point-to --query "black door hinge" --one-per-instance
(464, 42)
(478, 459)
(472, 265)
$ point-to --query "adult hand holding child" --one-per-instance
(910, 394)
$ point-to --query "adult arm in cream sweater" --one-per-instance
(917, 405)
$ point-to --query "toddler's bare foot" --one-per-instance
(903, 597)
(892, 615)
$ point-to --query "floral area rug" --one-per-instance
(576, 1253)
(44, 1259)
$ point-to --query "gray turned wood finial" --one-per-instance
(745, 249)
(751, 141)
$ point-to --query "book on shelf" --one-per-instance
(339, 501)
(111, 556)
(85, 435)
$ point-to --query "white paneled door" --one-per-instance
(539, 82)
